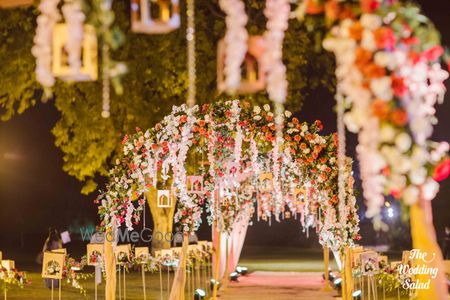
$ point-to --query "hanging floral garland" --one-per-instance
(277, 13)
(42, 49)
(235, 41)
(389, 74)
(102, 18)
(240, 143)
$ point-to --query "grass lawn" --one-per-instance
(255, 258)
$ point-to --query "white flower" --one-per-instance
(382, 88)
(368, 40)
(384, 59)
(387, 133)
(304, 128)
(257, 110)
(266, 107)
(411, 195)
(418, 175)
(287, 113)
(429, 189)
(370, 21)
(403, 142)
(257, 118)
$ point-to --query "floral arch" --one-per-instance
(389, 79)
(242, 166)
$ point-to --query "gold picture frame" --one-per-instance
(53, 265)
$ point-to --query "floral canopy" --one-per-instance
(245, 165)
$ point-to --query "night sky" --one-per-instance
(35, 193)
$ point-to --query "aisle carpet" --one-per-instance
(261, 285)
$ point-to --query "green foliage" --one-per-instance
(156, 79)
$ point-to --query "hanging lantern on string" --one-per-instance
(253, 76)
(154, 17)
(164, 199)
(61, 67)
(265, 182)
(195, 184)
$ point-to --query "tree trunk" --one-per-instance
(162, 221)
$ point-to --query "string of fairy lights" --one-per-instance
(190, 37)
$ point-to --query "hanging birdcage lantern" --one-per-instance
(164, 198)
(61, 68)
(155, 17)
(253, 77)
(265, 182)
(195, 184)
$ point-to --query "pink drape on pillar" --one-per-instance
(235, 243)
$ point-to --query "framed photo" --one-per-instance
(142, 253)
(164, 198)
(405, 257)
(299, 196)
(195, 184)
(122, 254)
(176, 252)
(95, 254)
(167, 254)
(8, 264)
(266, 182)
(53, 264)
(369, 262)
(383, 261)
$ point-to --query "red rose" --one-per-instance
(433, 53)
(385, 38)
(442, 170)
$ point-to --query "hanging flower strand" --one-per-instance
(42, 50)
(277, 13)
(236, 39)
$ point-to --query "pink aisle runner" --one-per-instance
(261, 285)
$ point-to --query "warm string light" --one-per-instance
(341, 151)
(190, 37)
(106, 84)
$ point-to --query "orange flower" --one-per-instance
(332, 10)
(363, 57)
(356, 31)
(373, 71)
(347, 13)
(399, 117)
(314, 7)
(264, 128)
(295, 120)
(269, 118)
(183, 118)
(380, 109)
(384, 38)
(201, 123)
(287, 137)
(297, 138)
(303, 146)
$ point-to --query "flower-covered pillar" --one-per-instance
(424, 239)
(326, 264)
(110, 266)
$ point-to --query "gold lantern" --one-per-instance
(253, 76)
(155, 17)
(89, 58)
